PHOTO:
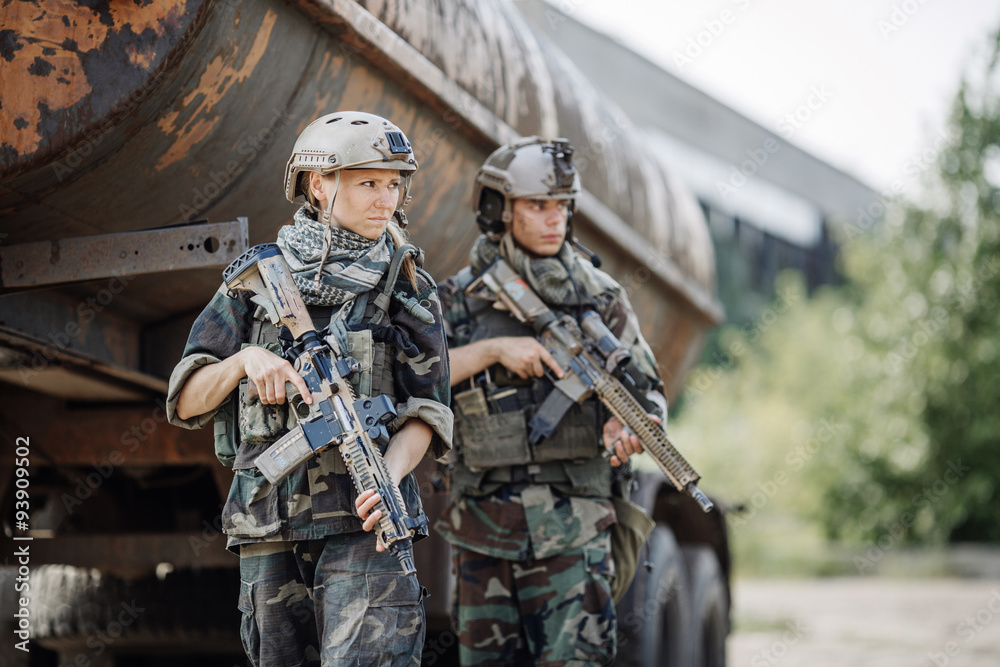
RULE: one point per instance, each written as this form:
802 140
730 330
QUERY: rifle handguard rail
578 344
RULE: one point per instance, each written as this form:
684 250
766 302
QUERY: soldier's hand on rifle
621 440
526 357
269 373
365 502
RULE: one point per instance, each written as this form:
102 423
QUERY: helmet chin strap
327 217
507 245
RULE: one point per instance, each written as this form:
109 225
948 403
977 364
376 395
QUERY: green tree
927 294
877 402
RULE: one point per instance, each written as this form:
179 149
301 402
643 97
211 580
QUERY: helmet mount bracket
531 168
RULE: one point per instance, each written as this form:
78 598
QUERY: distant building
770 205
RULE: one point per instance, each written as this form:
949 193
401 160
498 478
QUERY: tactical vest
491 434
256 425
253 427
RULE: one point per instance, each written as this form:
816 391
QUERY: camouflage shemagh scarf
353 265
547 276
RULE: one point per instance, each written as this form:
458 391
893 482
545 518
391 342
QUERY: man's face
539 225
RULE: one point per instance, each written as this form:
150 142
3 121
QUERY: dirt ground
866 622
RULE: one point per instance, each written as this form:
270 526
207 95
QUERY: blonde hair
399 239
397 234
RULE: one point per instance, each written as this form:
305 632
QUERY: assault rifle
355 426
593 361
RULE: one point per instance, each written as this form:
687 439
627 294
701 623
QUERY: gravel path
868 622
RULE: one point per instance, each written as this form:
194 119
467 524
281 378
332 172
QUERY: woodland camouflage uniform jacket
317 500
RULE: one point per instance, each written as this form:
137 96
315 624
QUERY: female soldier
315 589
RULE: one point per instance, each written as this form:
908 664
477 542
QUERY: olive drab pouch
576 438
627 538
489 441
465 481
227 437
471 401
366 380
261 423
589 477
359 346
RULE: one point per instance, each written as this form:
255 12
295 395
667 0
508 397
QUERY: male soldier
531 524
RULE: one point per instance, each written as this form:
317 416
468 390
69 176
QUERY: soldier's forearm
407 448
473 358
208 387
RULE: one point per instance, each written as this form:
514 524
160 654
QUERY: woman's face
365 199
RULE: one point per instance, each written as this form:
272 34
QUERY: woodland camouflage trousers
550 611
333 601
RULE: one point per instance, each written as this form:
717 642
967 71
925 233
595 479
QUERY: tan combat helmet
532 168
349 140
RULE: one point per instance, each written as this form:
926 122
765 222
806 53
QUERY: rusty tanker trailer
142 147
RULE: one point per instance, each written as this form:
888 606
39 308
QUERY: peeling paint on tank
344 58
40 30
141 56
221 74
326 97
139 19
47 47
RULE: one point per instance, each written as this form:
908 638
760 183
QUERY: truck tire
709 605
81 611
654 615
69 601
10 655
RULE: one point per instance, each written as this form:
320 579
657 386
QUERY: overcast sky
891 69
